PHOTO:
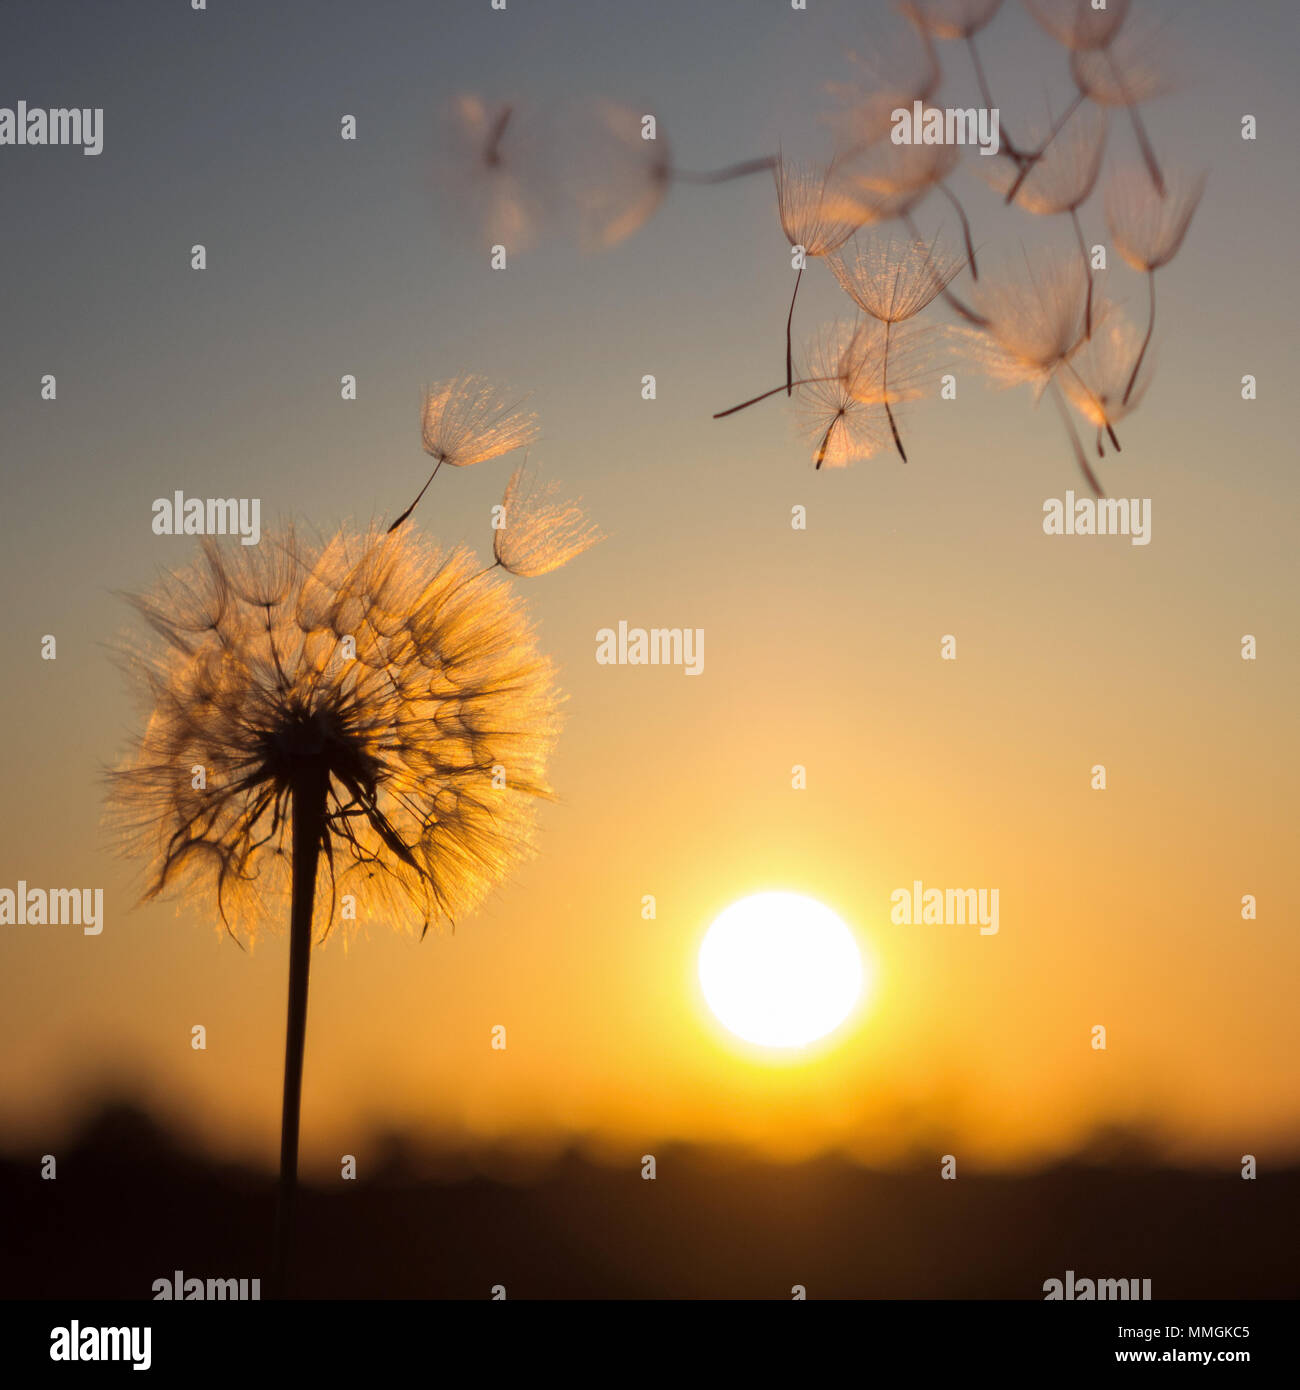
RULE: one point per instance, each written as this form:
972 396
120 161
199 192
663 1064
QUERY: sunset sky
327 257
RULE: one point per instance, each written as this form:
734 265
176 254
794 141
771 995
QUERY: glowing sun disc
780 970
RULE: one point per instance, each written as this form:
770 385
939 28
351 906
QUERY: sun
780 970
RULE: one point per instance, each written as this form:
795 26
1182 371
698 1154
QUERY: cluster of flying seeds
597 169
1042 323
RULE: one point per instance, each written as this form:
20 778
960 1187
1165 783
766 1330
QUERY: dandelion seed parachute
465 421
1124 74
1148 227
1096 378
490 173
810 219
1061 179
539 534
1078 24
893 280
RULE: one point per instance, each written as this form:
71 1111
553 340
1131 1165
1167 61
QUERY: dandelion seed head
247 676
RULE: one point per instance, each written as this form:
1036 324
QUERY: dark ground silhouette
132 1203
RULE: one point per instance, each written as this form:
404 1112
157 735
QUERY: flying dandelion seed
950 19
614 176
839 406
1088 33
465 421
1034 326
1061 179
1148 229
808 222
893 280
894 74
351 705
1096 378
1123 74
963 20
490 172
841 400
539 534
1078 24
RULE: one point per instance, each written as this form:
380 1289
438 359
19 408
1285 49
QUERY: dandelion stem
1080 457
884 391
965 229
416 503
789 353
1031 160
987 94
826 441
1087 270
308 792
1146 342
776 390
492 151
1139 129
732 171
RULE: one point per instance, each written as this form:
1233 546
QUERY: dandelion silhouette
1148 229
809 220
893 281
466 421
351 705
